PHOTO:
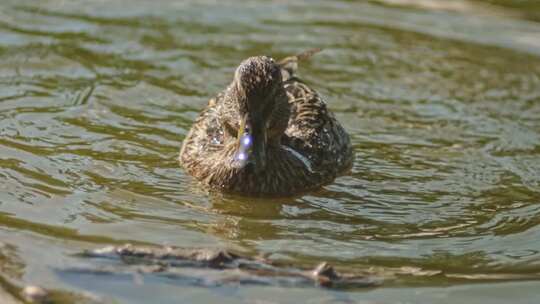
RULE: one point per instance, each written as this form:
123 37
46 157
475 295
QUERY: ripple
96 97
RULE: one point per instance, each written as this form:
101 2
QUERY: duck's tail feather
289 65
308 53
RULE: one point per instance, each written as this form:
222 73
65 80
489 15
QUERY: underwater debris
211 267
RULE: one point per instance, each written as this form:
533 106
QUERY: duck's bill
251 146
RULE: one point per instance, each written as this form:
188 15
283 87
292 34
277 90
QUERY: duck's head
260 96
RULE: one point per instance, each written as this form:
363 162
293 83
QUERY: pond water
441 98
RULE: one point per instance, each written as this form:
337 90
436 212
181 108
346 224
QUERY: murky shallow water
442 103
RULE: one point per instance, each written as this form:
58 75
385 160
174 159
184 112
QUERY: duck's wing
289 65
308 109
313 130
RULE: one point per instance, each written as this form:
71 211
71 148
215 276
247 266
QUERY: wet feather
307 146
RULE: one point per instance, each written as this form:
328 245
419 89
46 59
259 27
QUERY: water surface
442 104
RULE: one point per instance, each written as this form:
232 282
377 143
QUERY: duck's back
315 134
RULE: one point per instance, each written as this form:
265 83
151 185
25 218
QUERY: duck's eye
229 129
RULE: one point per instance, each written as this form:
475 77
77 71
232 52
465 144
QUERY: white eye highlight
246 141
244 149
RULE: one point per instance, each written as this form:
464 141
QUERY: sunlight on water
442 104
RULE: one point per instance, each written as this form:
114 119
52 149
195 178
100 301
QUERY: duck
268 133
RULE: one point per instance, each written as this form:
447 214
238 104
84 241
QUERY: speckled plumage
307 147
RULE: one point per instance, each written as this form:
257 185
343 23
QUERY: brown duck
267 133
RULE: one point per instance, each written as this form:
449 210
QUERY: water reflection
442 106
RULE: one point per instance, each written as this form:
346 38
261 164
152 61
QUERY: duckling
267 134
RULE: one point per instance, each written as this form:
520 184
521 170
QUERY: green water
442 102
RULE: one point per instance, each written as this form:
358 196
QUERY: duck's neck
279 119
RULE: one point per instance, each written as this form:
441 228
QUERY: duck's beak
251 147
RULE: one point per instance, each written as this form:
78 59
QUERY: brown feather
309 148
